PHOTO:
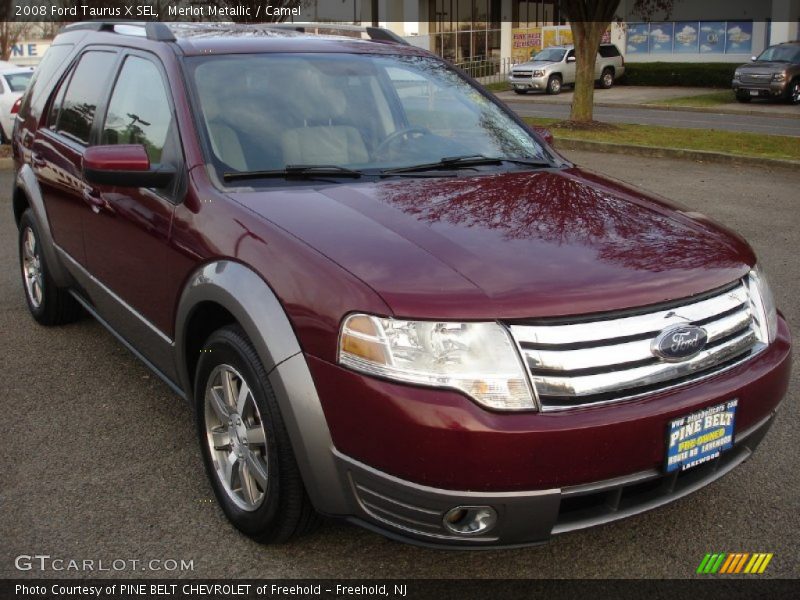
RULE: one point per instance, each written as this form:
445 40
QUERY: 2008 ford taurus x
386 298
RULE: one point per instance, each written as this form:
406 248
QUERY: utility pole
374 11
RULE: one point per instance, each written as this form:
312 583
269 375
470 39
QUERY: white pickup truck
554 67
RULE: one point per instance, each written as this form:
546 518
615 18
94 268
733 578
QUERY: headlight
538 73
737 75
763 306
779 77
478 359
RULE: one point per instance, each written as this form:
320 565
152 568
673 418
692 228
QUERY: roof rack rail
152 30
378 34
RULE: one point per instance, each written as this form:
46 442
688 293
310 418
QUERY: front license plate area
700 437
754 92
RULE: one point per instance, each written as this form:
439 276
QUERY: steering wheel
405 133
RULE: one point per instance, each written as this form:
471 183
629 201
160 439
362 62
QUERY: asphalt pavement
99 459
769 124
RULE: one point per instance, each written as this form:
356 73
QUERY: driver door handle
95 202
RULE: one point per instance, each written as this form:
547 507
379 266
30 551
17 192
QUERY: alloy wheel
608 80
236 437
795 93
32 268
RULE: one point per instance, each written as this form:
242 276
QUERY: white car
13 81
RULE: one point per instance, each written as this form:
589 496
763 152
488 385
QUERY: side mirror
545 133
124 166
570 59
753 58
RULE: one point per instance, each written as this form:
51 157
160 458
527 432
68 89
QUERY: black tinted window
139 111
609 51
86 88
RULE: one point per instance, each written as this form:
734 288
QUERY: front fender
258 311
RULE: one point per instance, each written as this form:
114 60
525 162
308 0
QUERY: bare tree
589 19
11 32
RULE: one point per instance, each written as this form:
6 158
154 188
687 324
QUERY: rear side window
139 110
18 82
609 51
84 93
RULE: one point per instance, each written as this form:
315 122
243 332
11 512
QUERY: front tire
245 445
47 303
554 85
793 94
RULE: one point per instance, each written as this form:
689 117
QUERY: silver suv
554 67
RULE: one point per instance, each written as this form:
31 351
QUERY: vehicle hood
509 245
763 67
534 64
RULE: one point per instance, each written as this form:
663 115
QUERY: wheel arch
27 194
225 291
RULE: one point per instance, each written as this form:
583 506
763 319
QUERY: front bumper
415 513
772 89
406 455
534 83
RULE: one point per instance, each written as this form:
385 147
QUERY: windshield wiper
466 161
295 172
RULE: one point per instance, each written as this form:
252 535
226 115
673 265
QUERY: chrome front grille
756 79
609 358
521 74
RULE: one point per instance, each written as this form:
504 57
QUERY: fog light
470 520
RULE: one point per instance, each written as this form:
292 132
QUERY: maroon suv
386 298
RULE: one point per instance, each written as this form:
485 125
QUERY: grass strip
708 140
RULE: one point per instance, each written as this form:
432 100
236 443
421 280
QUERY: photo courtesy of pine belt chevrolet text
386 298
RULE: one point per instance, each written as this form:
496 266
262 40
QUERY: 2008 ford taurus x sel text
385 297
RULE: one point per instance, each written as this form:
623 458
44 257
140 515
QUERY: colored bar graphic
727 564
718 564
703 563
764 564
733 563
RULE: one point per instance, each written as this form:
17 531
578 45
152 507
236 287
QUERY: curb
653 152
694 109
700 109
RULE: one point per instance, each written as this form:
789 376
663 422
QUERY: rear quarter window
610 51
36 96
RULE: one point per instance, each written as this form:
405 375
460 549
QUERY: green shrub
716 75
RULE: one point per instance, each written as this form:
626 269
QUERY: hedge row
715 75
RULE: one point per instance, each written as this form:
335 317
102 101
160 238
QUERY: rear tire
607 79
246 449
554 85
47 303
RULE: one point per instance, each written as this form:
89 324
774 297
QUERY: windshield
550 55
18 82
789 54
371 113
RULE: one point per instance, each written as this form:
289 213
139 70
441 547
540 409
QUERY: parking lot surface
99 459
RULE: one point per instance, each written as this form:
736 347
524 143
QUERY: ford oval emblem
680 342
